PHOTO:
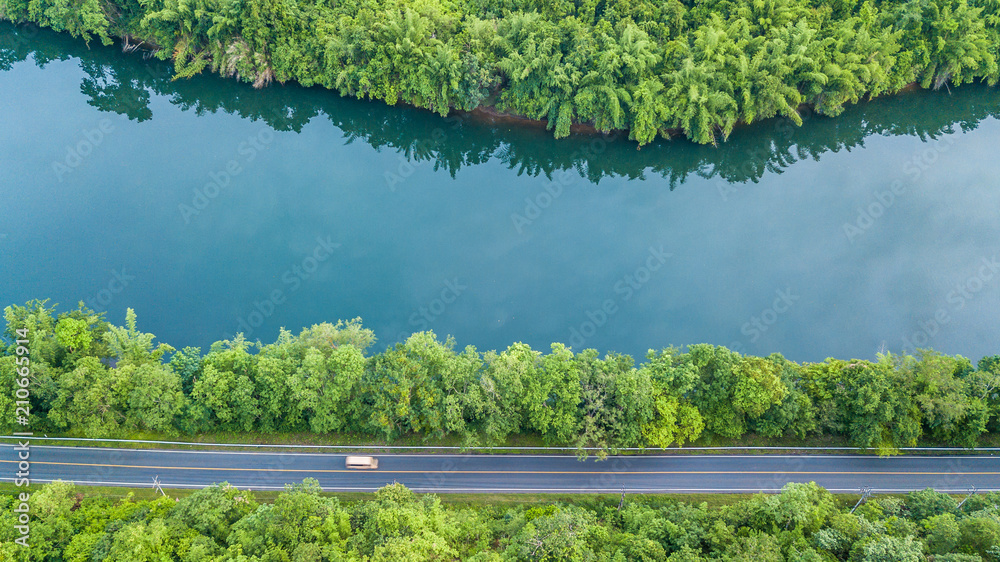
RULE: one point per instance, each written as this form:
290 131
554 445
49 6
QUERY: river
211 208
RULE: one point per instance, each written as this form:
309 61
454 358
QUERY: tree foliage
323 380
801 523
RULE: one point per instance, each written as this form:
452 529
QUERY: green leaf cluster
100 380
220 523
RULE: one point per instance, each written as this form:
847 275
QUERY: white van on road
362 463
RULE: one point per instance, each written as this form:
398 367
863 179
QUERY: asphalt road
507 473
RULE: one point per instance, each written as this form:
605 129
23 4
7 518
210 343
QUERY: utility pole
156 485
622 502
865 493
972 490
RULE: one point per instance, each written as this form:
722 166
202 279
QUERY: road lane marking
318 470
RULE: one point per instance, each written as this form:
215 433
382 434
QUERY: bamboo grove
803 523
98 380
650 67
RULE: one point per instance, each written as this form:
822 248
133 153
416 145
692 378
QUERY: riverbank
635 74
324 382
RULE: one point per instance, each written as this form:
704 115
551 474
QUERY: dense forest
804 523
650 67
88 377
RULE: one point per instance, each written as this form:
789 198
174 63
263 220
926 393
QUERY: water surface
212 208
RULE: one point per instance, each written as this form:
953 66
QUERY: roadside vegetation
221 523
90 378
650 67
454 499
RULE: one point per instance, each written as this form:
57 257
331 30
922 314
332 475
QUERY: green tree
888 549
80 18
51 529
132 346
942 533
324 385
615 402
795 414
754 547
560 535
929 503
805 507
398 524
734 390
212 511
949 412
949 39
552 398
73 334
92 399
298 515
416 387
505 376
143 542
155 397
980 534
675 419
878 407
225 388
39 323
187 364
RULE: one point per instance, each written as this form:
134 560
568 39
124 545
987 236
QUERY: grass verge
459 500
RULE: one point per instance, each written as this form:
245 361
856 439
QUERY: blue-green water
212 208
